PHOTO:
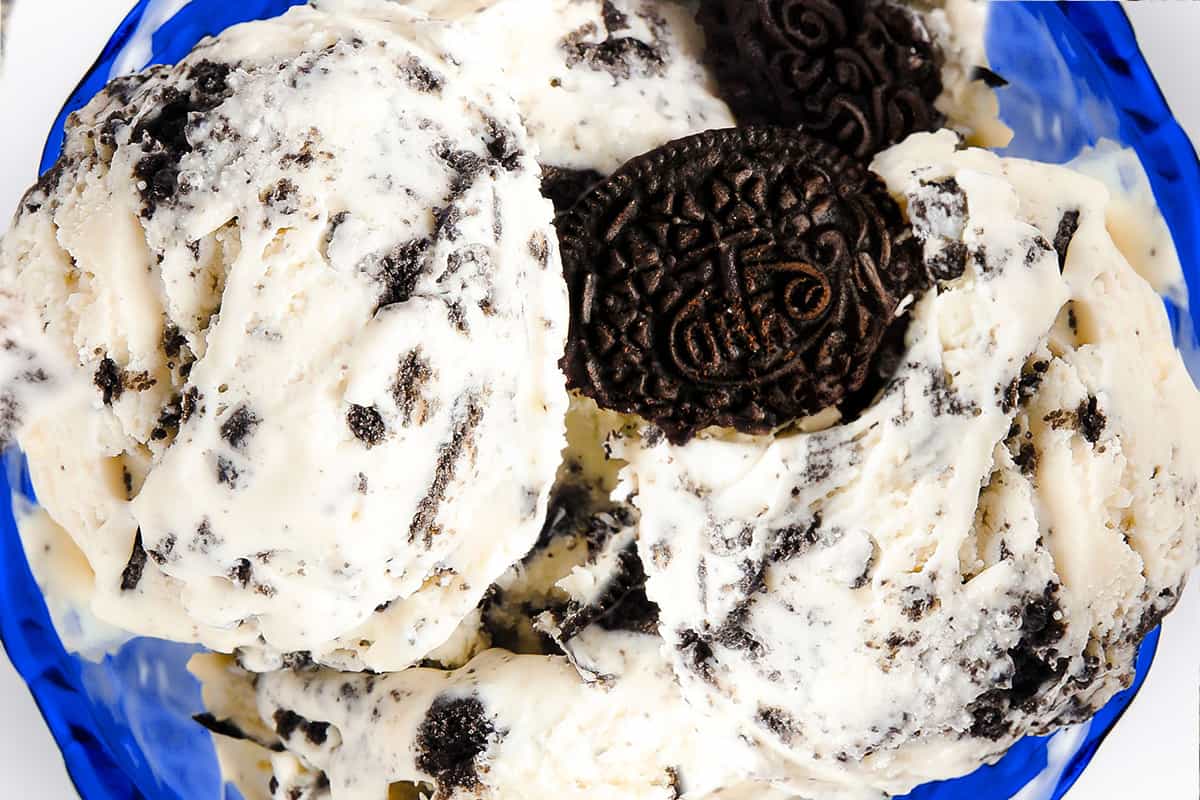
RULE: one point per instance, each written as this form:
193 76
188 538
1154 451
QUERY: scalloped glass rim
103 755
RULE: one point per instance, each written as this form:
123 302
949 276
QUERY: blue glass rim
102 772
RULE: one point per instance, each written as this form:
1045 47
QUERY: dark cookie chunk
622 606
1021 390
231 730
1091 420
503 147
569 510
944 399
408 391
741 278
453 452
564 186
163 133
317 733
991 79
189 404
221 727
778 722
241 572
614 18
169 419
366 424
227 472
454 733
948 263
160 177
287 722
173 339
283 196
131 576
204 539
47 184
108 381
938 210
733 633
1026 458
162 552
862 74
696 653
419 76
238 427
1067 226
399 270
1035 662
299 660
622 57
796 540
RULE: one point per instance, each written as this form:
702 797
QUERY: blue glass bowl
124 725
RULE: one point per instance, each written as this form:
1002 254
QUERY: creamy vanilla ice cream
300 345
884 602
284 347
978 555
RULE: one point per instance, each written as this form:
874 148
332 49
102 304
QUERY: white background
1155 751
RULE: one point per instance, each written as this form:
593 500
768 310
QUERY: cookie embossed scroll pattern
862 74
741 278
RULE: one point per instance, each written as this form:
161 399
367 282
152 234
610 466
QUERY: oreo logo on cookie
741 278
862 74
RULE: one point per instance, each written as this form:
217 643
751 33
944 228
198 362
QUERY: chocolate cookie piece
456 731
862 74
740 277
564 186
622 605
163 133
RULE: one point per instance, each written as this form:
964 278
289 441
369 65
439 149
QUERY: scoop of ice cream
309 304
597 81
479 732
976 557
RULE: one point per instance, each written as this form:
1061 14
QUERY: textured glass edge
51 674
1146 122
1164 148
1171 163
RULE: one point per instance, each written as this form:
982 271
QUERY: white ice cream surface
66 581
1134 220
597 81
481 732
899 598
316 330
848 612
971 107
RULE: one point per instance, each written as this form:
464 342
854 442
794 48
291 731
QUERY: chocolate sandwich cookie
862 74
741 278
564 186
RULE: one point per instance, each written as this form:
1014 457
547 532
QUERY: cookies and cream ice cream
977 555
664 386
300 339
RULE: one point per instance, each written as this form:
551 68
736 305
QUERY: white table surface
1155 751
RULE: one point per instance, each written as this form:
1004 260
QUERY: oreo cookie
564 186
741 278
862 74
